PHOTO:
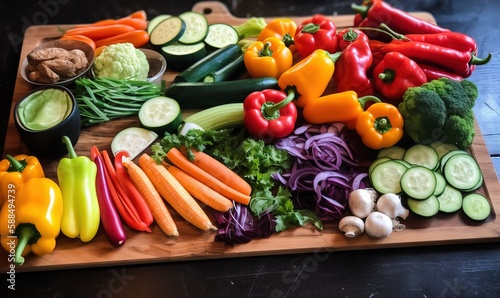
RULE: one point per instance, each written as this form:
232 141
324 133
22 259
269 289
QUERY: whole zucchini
208 64
202 95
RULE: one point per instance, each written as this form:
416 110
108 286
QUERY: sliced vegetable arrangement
295 125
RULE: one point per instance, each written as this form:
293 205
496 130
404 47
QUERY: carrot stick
199 190
123 204
139 14
174 193
79 37
177 158
136 37
219 171
137 23
100 32
131 190
160 212
98 50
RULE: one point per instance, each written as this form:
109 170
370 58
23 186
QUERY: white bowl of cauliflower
124 61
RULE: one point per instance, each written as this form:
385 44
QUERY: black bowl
47 143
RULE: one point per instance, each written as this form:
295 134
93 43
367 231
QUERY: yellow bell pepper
342 107
268 58
282 28
309 77
380 126
17 170
30 218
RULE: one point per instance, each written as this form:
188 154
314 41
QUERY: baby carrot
177 158
219 171
199 190
160 212
136 37
173 192
79 37
100 32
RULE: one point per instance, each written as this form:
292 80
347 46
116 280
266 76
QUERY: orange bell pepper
268 58
282 28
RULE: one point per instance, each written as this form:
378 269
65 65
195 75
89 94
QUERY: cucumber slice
385 177
462 172
180 56
476 206
376 162
450 200
134 140
427 208
422 155
160 114
394 152
196 27
447 156
442 148
155 21
167 32
418 182
440 183
220 35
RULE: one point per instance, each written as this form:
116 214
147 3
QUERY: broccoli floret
458 96
440 110
459 130
121 61
424 114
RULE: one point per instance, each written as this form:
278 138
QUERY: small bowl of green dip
44 116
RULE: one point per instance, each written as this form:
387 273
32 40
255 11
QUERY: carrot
123 204
79 37
137 19
174 193
100 32
160 212
199 190
136 37
219 171
177 158
133 194
139 14
99 50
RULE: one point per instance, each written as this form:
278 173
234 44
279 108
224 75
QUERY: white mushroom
390 205
362 202
378 225
351 226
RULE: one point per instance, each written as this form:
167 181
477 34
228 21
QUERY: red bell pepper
352 67
349 35
372 13
396 73
317 32
269 114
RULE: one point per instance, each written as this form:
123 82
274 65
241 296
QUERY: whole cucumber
202 95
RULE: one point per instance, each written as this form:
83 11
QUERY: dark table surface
468 270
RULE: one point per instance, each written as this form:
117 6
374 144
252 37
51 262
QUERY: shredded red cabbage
240 225
325 169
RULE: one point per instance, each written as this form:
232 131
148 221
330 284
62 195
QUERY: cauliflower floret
121 61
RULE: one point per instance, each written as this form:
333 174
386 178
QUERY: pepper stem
271 110
387 76
474 60
361 9
335 56
368 98
395 34
382 124
15 165
71 149
25 235
288 39
310 28
266 50
350 35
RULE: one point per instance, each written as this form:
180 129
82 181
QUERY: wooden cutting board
193 244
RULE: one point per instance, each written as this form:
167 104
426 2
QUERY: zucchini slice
220 35
167 31
181 56
196 27
160 114
155 21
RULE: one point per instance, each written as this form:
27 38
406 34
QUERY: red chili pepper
434 73
396 73
269 114
110 219
372 13
317 32
459 62
352 67
349 35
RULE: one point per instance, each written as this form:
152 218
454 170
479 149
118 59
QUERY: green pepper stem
474 60
71 149
361 9
266 50
368 98
272 110
382 125
395 34
25 234
15 165
310 28
387 76
288 39
334 56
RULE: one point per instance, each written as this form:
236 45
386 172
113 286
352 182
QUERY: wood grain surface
193 244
